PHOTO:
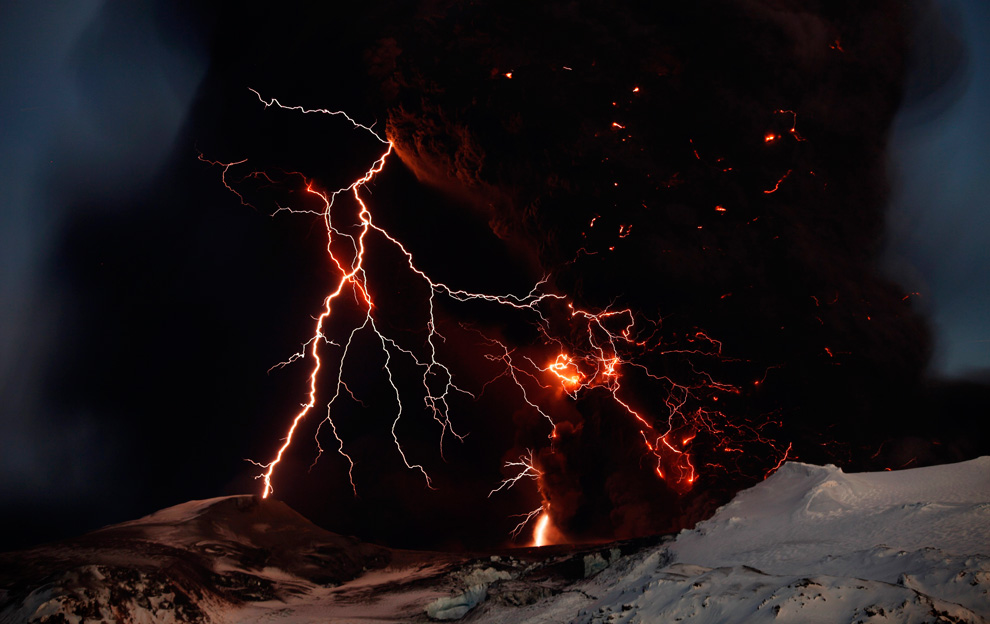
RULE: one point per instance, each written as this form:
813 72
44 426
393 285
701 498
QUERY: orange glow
565 369
780 463
694 150
540 531
610 367
777 186
793 130
770 137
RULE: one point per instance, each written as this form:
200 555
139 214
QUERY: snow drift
813 543
809 544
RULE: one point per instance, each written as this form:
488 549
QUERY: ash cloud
172 292
652 122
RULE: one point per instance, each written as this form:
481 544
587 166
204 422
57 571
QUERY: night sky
144 304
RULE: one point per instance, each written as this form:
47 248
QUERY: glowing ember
793 129
779 182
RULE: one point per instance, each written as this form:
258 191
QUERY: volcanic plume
714 171
717 165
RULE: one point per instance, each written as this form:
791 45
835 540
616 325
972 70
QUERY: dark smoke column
719 165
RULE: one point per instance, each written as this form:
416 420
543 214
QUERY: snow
814 544
83 596
596 562
809 544
476 582
741 595
803 514
455 607
484 576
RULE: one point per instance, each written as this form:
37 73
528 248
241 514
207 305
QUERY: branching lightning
600 350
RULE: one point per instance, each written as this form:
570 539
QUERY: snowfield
814 544
809 544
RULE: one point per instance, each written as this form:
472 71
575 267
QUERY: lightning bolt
349 260
599 349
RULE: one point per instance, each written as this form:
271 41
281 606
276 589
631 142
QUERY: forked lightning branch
610 343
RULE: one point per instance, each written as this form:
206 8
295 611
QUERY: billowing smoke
720 165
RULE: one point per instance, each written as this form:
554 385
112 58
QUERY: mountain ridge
810 543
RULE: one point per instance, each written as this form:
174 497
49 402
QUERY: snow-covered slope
194 562
803 514
814 544
809 544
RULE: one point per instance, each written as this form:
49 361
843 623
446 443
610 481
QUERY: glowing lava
540 531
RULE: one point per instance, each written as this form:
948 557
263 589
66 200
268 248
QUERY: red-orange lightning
347 252
600 349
